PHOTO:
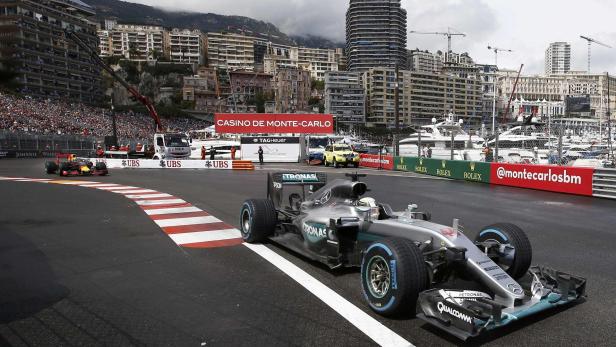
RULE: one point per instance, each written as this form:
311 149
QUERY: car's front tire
517 252
51 167
393 273
258 220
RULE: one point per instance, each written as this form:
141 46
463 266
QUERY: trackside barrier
372 161
453 169
175 164
561 179
604 183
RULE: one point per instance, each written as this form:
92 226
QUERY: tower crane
590 42
449 35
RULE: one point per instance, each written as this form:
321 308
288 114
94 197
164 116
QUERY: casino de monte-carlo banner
270 123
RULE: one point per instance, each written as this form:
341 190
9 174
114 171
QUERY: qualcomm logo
444 308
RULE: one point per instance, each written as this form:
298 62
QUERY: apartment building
280 57
206 90
558 58
435 95
318 61
379 84
185 46
292 90
345 98
230 51
424 61
137 42
51 66
375 34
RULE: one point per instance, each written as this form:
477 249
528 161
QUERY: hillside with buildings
127 12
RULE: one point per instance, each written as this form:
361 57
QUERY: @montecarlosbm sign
266 123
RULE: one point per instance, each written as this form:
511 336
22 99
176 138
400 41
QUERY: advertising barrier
562 179
266 123
454 169
372 161
275 149
165 164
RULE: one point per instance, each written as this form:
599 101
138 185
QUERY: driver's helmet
368 202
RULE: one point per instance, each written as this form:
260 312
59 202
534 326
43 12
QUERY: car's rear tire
100 166
356 165
51 167
258 220
336 164
516 264
393 273
325 162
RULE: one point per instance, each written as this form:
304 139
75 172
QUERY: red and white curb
187 225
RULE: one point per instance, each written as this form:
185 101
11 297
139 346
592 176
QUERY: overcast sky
524 26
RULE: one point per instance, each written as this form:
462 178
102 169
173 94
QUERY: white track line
186 221
134 191
148 196
205 236
118 188
159 202
100 185
172 210
360 319
72 183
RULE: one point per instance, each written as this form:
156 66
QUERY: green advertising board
453 169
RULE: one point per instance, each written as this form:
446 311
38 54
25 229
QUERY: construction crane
590 42
449 35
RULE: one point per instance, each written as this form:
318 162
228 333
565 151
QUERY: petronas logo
472 164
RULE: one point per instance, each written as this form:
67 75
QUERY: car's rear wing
278 180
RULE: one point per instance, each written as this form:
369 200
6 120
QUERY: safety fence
561 179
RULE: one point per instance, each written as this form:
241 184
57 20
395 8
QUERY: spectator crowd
27 115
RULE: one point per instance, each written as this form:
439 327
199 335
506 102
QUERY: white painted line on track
374 329
205 236
135 191
100 185
172 210
148 196
159 202
186 221
118 188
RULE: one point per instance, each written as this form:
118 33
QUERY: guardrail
604 183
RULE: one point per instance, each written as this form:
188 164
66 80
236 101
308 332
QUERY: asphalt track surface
82 266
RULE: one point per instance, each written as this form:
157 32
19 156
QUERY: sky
524 26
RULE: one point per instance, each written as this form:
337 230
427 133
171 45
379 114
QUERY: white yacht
438 136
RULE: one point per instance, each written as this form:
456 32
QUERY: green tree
317 85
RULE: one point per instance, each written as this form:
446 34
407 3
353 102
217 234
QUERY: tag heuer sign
300 177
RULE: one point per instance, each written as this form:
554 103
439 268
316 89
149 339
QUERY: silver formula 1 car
407 261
